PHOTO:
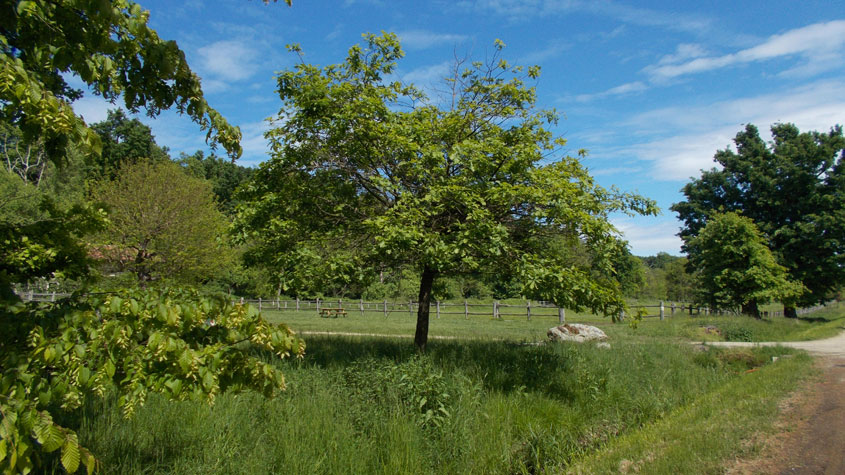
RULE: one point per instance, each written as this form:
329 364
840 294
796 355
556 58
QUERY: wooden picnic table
333 312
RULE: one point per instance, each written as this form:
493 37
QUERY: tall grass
371 405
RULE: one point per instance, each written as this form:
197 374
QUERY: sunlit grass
361 405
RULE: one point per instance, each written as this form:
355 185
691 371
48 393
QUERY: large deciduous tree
367 172
162 223
736 270
793 189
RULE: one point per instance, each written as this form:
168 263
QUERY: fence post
259 304
561 316
318 304
528 309
662 311
53 296
361 306
384 307
466 310
438 309
495 309
673 308
242 300
297 303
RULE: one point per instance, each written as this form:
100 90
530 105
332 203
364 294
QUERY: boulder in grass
576 332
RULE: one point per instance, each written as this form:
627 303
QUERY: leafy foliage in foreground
173 342
111 48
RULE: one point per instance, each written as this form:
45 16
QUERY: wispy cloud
254 145
683 52
819 44
526 9
228 60
428 75
648 236
553 50
423 39
94 108
698 132
614 171
621 90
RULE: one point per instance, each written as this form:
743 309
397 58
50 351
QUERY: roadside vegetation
373 405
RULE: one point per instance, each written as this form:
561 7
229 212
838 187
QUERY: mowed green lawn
513 326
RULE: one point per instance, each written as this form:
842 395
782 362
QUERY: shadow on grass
500 366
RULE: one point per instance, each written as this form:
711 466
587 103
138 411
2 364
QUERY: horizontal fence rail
438 308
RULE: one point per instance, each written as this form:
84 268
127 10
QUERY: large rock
576 332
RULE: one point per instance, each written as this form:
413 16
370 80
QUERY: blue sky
651 89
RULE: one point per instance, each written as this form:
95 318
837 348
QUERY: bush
737 333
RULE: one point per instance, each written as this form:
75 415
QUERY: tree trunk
750 308
426 283
789 311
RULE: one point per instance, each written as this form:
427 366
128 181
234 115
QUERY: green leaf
110 369
55 438
70 454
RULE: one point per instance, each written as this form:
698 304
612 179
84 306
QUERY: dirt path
834 347
811 428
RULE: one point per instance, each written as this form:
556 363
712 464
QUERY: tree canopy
224 175
163 223
124 141
736 270
112 49
367 172
793 189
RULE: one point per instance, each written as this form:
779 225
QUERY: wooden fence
437 308
496 309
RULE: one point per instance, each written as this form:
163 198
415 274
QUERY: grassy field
680 327
481 401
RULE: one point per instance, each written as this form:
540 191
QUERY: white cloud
228 60
428 75
698 132
423 39
819 44
551 51
683 52
624 89
254 145
648 236
93 108
526 9
614 171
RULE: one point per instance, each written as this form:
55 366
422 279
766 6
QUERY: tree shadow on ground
499 366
